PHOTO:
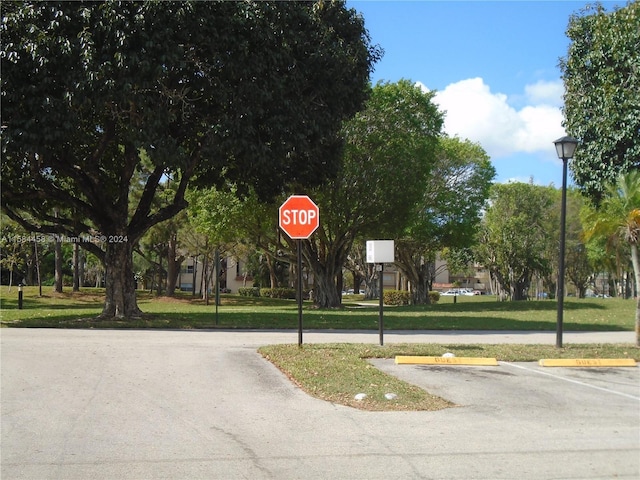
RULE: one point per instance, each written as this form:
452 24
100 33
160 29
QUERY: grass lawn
76 310
337 372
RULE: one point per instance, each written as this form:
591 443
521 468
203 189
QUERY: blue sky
494 65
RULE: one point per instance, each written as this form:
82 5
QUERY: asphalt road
88 404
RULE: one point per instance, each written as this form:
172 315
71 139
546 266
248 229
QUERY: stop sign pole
299 217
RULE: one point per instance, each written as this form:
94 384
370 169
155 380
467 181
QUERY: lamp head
565 147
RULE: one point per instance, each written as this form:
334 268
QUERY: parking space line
577 382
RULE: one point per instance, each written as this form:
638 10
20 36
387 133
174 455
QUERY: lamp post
565 147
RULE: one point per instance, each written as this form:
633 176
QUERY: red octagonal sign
299 217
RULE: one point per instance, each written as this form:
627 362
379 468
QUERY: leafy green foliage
513 238
618 220
280 292
101 99
448 211
389 151
249 291
602 107
396 297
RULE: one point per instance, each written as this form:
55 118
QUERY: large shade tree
390 147
448 212
514 237
601 74
251 92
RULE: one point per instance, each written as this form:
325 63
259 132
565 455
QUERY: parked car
458 291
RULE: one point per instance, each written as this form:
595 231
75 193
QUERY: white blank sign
380 251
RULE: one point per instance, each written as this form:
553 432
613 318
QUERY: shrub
249 291
396 297
285 293
434 297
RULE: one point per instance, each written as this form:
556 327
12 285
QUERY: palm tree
618 217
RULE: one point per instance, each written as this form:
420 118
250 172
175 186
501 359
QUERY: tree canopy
513 240
448 212
390 149
99 97
601 74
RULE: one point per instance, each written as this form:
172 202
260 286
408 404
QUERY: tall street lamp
565 147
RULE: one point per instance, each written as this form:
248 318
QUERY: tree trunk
326 265
418 267
357 281
519 290
582 291
194 276
273 277
420 285
120 301
160 276
173 265
204 283
37 257
76 267
372 286
326 294
57 248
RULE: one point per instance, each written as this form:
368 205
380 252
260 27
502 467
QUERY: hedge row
249 291
286 293
391 297
396 297
401 297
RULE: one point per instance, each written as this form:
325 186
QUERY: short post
380 252
20 296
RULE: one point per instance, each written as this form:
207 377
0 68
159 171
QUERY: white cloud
522 179
476 113
545 93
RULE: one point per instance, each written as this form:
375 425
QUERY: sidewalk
269 337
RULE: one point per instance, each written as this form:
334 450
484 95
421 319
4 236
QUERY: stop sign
299 217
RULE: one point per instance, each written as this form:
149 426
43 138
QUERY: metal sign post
299 242
299 217
380 252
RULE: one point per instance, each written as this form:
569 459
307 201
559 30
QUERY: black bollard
20 296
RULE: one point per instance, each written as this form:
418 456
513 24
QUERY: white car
458 291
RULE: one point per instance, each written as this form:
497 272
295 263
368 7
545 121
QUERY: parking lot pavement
587 410
80 404
512 382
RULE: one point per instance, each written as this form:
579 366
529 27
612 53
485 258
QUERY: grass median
338 372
